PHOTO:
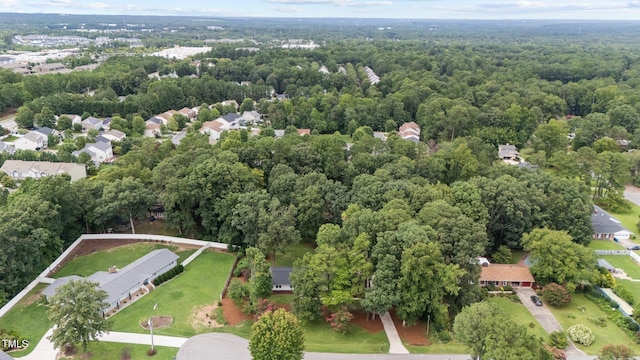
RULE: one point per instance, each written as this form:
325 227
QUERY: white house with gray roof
605 227
20 170
280 279
32 141
121 284
100 151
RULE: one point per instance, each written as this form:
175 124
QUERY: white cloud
7 3
287 9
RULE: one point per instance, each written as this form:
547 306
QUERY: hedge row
168 275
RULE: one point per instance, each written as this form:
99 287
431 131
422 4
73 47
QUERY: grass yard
200 284
632 286
605 245
630 219
320 337
119 256
520 315
438 347
516 256
10 138
293 253
110 351
624 262
611 334
29 319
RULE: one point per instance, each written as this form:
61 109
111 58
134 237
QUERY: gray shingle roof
603 223
116 284
51 289
280 275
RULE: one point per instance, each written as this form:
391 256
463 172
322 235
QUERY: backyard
199 285
633 287
28 319
630 219
624 262
605 245
294 252
119 256
579 311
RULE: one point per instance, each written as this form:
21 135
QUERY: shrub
557 354
556 295
559 339
339 320
624 293
444 336
581 334
242 267
615 352
599 321
238 292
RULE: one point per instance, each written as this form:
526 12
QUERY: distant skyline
414 9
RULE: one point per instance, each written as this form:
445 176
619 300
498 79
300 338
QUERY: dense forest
388 209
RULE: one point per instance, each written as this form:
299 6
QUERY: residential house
280 279
106 123
410 131
230 103
177 138
20 170
252 117
120 285
114 135
303 132
166 116
373 78
506 274
31 141
190 113
46 131
100 152
152 127
4 147
235 121
91 123
215 128
75 119
605 227
380 135
509 154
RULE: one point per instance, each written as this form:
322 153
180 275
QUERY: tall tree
279 228
76 311
277 336
128 198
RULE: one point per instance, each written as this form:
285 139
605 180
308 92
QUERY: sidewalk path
395 344
130 338
628 309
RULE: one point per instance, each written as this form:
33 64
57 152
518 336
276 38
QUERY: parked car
536 300
634 247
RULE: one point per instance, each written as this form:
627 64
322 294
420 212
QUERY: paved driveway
545 318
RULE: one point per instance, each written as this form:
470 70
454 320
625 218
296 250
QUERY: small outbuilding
280 278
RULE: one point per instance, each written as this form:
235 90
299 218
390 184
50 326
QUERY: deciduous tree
277 335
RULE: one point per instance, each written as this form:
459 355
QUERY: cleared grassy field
574 314
119 256
624 262
200 284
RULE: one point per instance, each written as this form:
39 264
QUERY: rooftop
603 222
506 272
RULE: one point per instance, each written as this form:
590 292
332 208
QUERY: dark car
634 247
536 300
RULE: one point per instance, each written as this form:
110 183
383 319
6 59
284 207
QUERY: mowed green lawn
293 253
630 219
199 284
632 286
519 313
624 262
110 351
119 256
605 245
28 318
611 334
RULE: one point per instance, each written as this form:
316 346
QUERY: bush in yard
238 292
615 352
599 321
339 320
605 279
558 354
559 339
242 268
556 295
581 334
624 293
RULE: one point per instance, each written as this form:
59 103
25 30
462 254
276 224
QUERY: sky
414 9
